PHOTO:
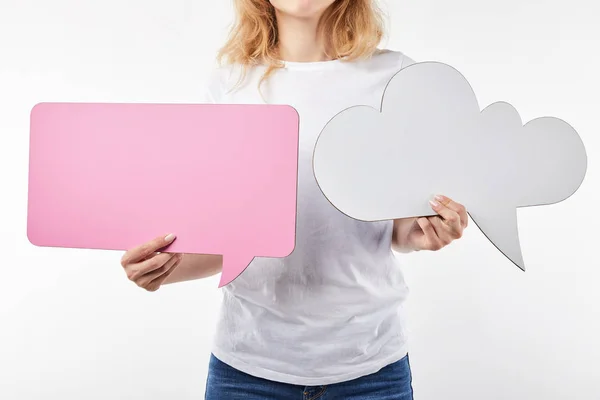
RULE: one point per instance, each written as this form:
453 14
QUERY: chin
302 8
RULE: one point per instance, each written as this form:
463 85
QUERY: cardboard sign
431 137
223 178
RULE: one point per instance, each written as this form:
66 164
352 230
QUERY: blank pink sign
222 178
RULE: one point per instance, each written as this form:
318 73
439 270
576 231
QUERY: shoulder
224 79
387 58
215 83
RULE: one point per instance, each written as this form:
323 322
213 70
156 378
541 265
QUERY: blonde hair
352 30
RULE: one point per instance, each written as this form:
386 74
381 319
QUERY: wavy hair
352 29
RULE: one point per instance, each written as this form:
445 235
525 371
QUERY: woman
327 321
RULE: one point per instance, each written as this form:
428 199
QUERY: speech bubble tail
499 225
233 266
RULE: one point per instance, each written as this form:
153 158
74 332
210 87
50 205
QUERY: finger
144 251
137 270
450 217
431 239
153 254
454 206
157 282
444 232
145 280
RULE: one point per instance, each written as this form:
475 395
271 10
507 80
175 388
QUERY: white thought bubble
431 137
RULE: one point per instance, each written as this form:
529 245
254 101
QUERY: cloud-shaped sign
431 137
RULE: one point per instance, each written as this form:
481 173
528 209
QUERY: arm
195 266
400 234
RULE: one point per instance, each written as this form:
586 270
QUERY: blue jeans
393 382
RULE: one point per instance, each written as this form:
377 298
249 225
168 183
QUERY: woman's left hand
438 231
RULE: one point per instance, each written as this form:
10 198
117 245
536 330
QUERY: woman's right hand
147 267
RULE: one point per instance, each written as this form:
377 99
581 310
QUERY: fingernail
434 203
169 237
439 197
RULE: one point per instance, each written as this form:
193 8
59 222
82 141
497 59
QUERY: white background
72 326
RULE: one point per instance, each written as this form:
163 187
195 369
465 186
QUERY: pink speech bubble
223 178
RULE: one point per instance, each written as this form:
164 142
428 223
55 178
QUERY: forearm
195 266
402 228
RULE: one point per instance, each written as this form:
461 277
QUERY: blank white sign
431 137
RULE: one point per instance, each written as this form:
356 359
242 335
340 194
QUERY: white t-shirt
332 311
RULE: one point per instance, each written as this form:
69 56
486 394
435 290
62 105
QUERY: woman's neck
299 40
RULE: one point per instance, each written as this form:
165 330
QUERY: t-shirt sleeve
212 87
406 61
